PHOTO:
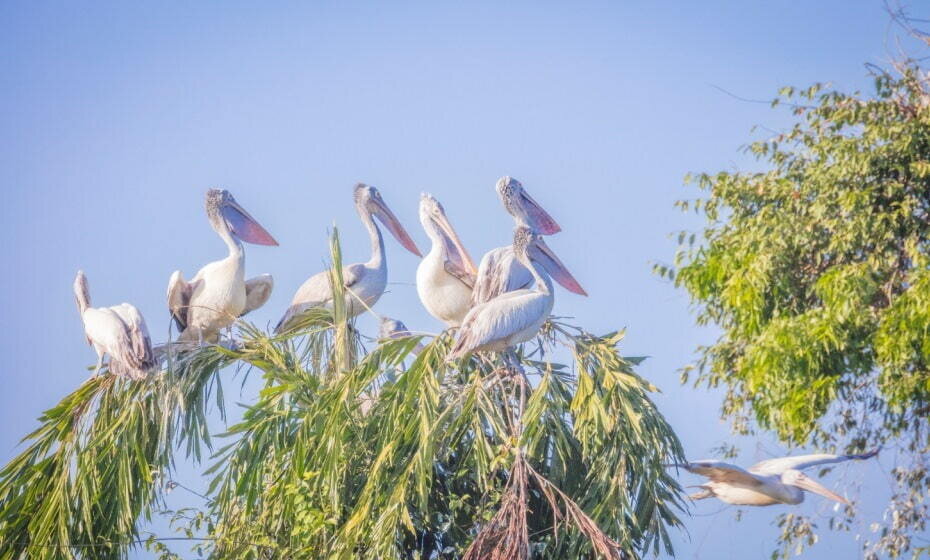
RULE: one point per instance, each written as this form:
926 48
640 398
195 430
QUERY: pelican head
226 214
523 208
369 202
800 480
530 246
437 226
81 291
392 328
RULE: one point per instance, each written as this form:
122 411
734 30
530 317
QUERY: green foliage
815 269
90 472
393 453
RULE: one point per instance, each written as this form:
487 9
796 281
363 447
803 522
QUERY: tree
348 454
817 272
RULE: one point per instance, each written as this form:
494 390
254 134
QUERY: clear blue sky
116 119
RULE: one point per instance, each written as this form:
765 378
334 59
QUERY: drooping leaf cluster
393 453
815 269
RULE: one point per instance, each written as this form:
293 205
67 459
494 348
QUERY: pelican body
446 275
515 317
219 293
117 331
775 481
364 282
499 270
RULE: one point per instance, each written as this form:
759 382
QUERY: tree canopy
815 269
348 453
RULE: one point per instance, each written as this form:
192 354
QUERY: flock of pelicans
501 303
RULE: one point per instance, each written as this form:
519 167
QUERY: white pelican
515 317
775 481
219 293
499 271
119 331
362 280
446 276
395 328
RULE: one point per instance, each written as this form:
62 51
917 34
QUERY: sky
116 118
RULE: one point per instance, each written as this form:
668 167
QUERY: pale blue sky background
114 120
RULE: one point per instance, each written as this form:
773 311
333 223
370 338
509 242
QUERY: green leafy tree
816 270
392 453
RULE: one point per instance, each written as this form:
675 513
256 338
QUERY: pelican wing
316 292
455 269
719 471
140 358
801 462
105 328
457 263
499 272
498 320
701 494
179 298
257 292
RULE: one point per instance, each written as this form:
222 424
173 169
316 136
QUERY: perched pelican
219 293
499 271
515 317
119 331
775 481
394 328
363 280
446 276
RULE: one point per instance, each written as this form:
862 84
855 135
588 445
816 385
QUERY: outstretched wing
719 471
801 462
701 494
257 292
179 299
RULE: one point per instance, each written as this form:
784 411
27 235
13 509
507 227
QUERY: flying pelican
119 331
219 293
446 276
515 317
775 481
365 281
499 271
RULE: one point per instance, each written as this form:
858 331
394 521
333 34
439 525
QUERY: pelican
363 281
775 481
515 317
219 293
118 331
499 271
446 276
390 329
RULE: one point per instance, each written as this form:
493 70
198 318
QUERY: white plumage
446 274
364 282
119 332
514 317
775 481
499 270
219 293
